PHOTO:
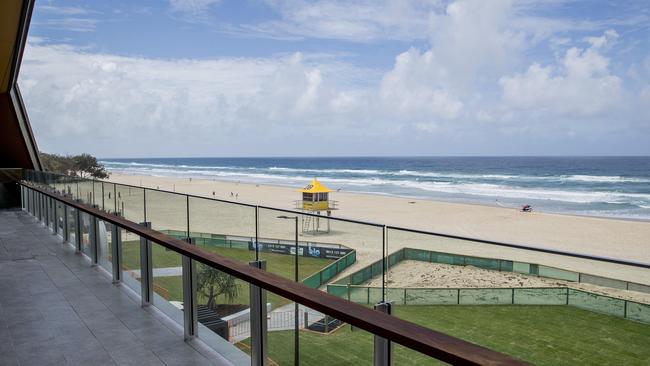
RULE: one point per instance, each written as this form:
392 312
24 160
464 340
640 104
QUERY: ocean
594 186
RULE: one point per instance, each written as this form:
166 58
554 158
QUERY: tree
56 163
211 283
84 165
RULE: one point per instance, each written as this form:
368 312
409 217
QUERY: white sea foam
509 188
604 179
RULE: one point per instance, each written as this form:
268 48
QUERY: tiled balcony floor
55 309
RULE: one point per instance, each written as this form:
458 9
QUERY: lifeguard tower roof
315 187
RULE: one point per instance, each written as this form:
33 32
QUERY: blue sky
303 78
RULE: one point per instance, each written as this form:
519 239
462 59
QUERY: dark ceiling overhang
18 147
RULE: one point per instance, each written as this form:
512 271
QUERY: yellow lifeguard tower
315 199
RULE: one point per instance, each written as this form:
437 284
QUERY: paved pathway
160 272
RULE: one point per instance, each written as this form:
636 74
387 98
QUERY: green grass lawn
279 264
544 335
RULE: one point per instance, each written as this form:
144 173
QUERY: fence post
116 253
383 355
38 207
258 322
567 296
190 323
56 217
78 230
94 240
66 227
146 269
46 203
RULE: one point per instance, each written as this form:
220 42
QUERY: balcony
301 303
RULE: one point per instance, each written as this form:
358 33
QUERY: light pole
296 319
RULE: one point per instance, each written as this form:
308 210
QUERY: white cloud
192 10
474 79
191 6
62 10
416 86
580 85
360 21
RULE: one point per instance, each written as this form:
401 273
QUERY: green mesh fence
397 295
540 296
521 267
417 255
351 258
338 290
328 273
559 274
323 276
480 296
375 270
505 266
358 294
485 263
361 276
603 281
638 312
638 287
598 303
448 258
312 281
431 296
395 258
496 296
374 295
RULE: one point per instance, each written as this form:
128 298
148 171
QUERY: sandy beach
416 274
622 239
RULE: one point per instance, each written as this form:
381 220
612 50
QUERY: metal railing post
78 229
35 205
48 208
66 224
116 253
94 240
146 269
383 355
55 217
190 323
38 207
258 322
45 213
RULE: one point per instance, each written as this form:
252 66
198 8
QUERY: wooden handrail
427 341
